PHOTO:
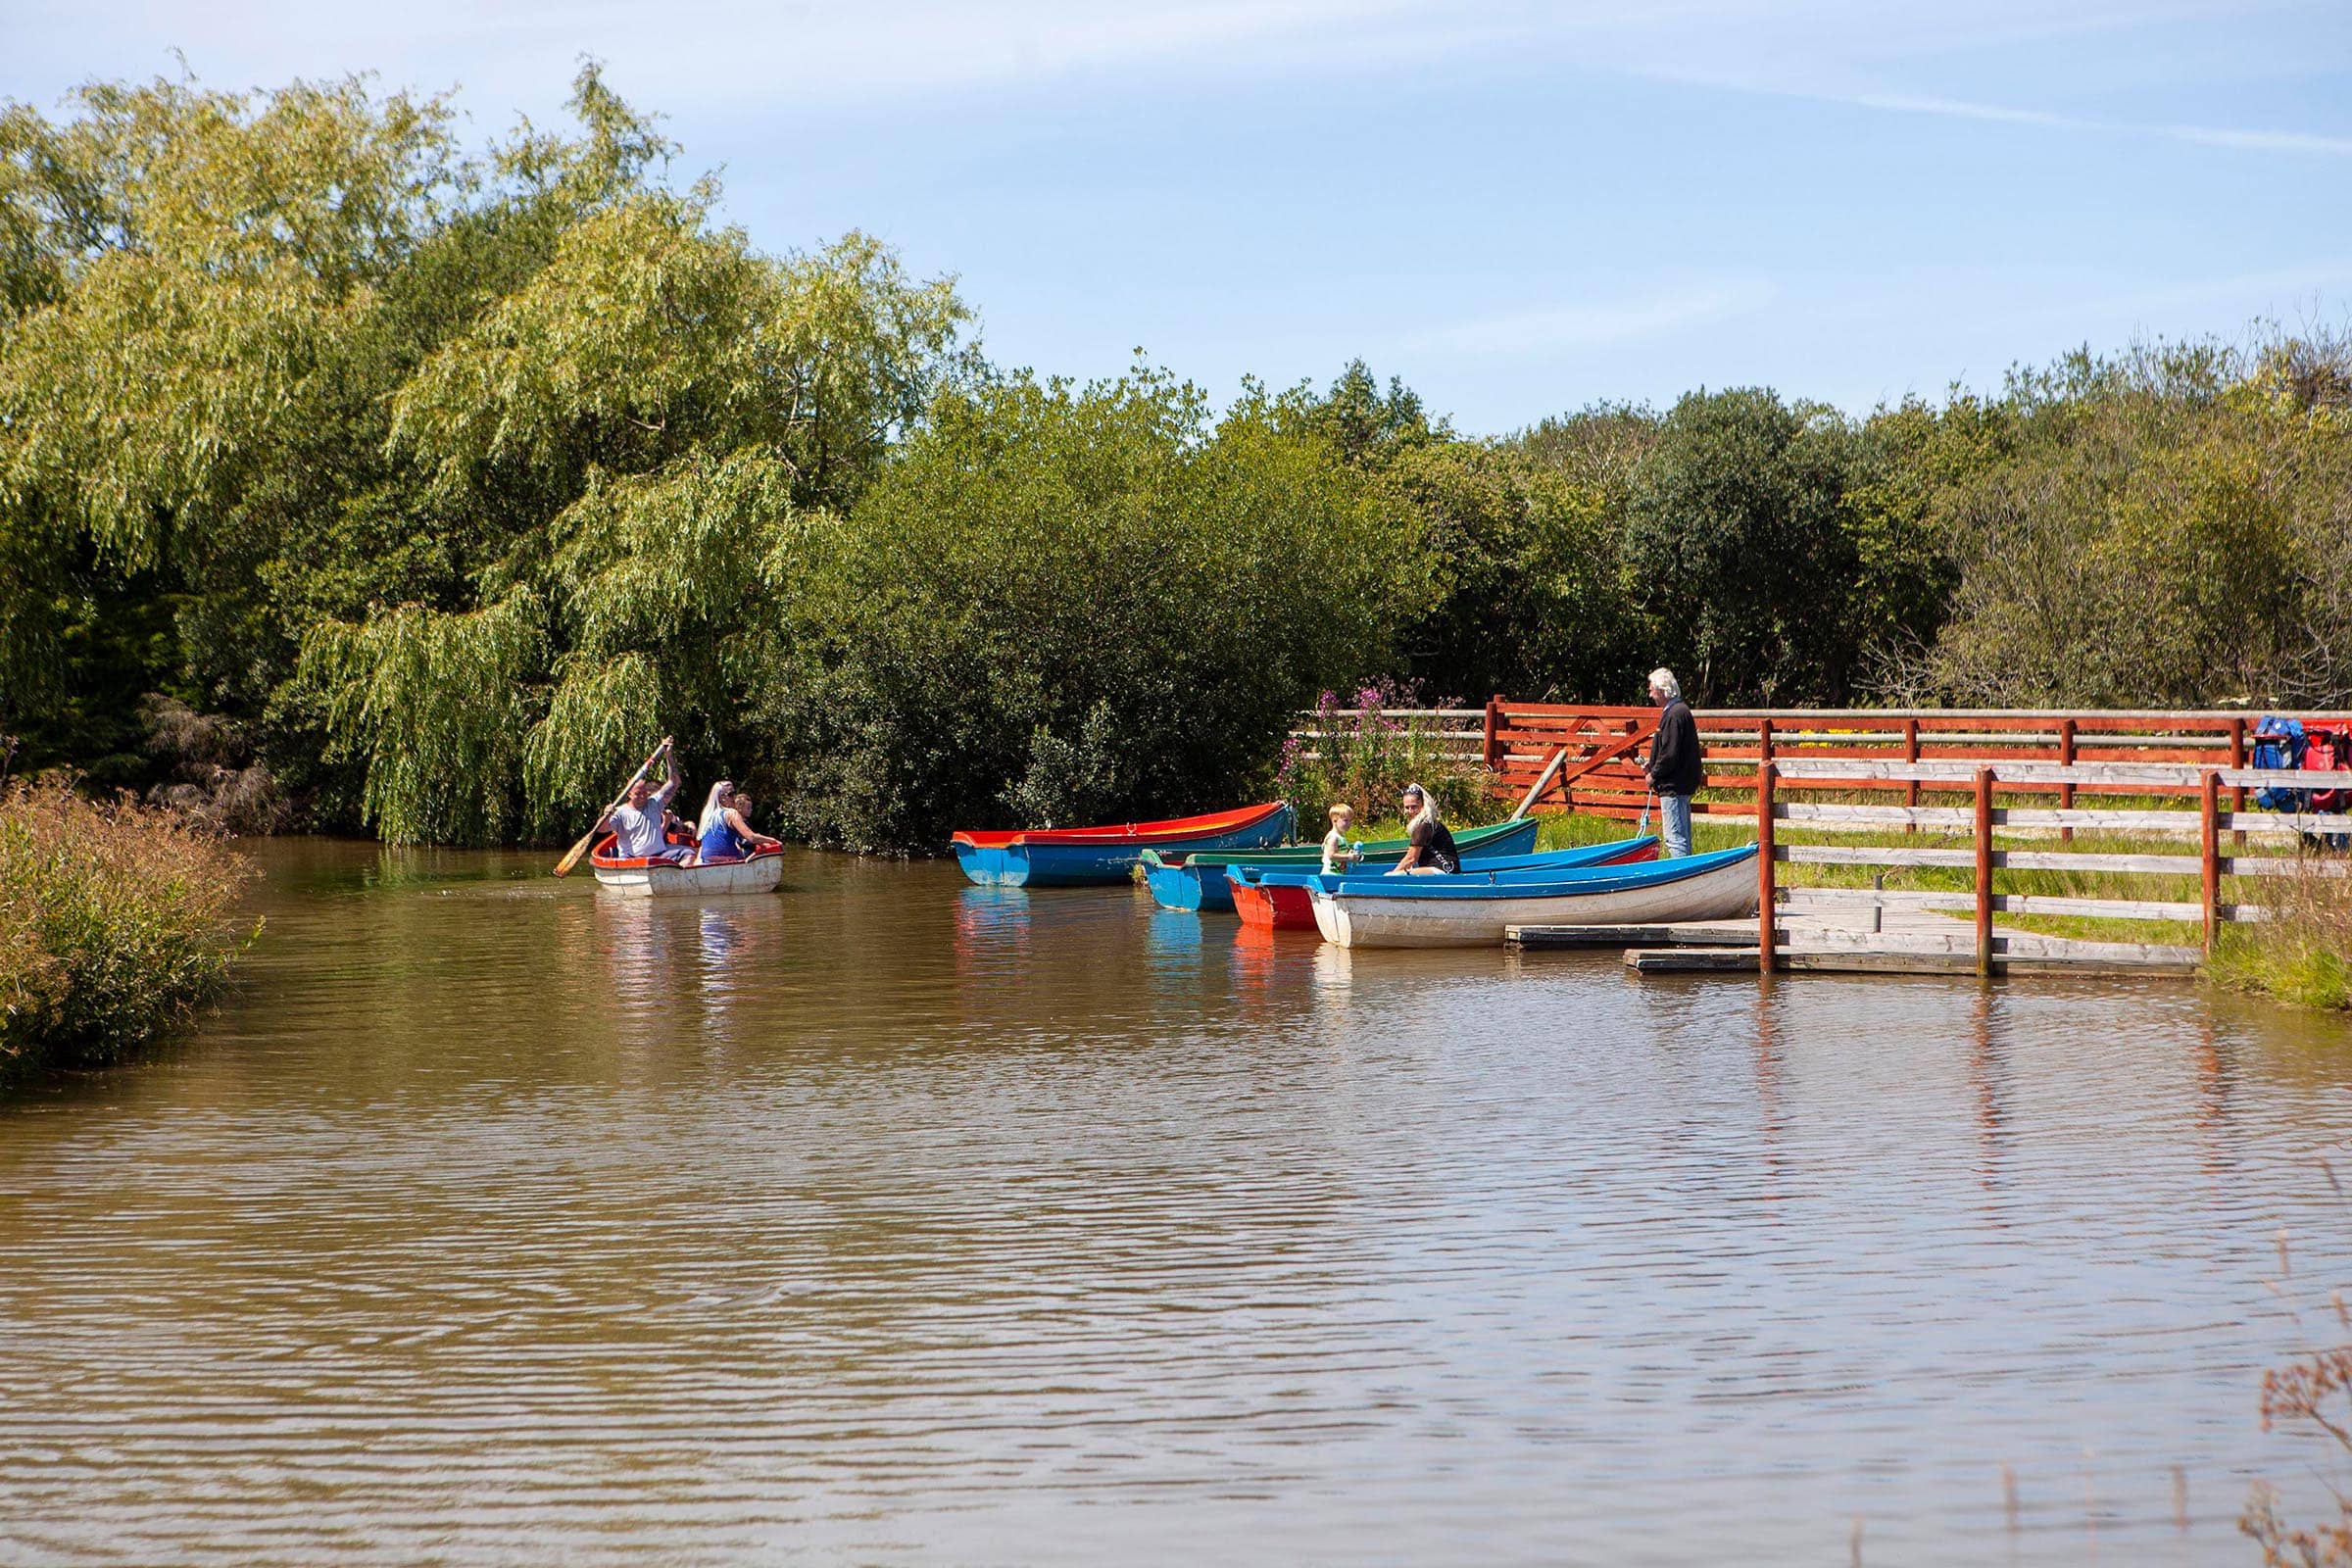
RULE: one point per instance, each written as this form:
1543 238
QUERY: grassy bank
115 922
2303 952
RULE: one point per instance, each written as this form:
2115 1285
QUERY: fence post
2211 845
1763 745
1767 881
2065 759
1984 870
2237 758
1911 758
1493 749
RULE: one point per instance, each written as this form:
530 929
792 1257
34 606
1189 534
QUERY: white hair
1662 681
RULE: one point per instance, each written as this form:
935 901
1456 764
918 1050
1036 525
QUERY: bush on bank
115 922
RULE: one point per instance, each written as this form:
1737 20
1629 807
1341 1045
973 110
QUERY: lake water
891 1220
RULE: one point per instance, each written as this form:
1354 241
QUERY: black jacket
1675 756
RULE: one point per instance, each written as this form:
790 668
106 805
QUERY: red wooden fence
1602 772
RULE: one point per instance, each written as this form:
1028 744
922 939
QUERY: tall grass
2303 952
116 922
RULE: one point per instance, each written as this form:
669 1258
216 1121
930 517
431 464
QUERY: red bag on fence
2328 750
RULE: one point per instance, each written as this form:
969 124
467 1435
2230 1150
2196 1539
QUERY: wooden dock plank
1719 934
1859 960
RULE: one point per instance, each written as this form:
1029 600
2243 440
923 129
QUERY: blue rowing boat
1197 880
1080 856
1280 898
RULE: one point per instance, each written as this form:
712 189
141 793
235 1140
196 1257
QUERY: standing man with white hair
1674 769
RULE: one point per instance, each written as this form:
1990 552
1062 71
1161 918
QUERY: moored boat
1279 899
757 872
1470 910
1077 857
1197 879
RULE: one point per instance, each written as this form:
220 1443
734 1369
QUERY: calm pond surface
891 1220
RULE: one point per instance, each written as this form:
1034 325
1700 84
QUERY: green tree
2165 528
1074 604
644 425
1737 551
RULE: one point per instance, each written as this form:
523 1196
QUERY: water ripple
892 1220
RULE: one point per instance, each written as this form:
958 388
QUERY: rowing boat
1472 910
1076 857
757 872
1197 880
1278 900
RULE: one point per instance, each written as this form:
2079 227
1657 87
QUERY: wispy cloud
822 54
2283 141
1554 328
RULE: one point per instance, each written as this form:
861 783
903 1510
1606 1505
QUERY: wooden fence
1598 752
2207 821
1460 732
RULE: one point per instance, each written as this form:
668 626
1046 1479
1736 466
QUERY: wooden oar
1550 768
564 865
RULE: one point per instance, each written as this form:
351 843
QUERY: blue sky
1517 208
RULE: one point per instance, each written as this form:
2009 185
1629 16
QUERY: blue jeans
1673 822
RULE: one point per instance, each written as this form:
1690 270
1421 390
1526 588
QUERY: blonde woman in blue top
725 835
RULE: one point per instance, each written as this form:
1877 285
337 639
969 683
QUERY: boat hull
1097 857
1457 912
761 873
1284 900
1186 885
1198 880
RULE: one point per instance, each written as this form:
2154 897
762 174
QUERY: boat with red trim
1080 856
757 872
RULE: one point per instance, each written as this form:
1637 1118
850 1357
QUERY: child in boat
726 834
1339 853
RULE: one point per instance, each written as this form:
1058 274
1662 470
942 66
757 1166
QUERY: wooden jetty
1848 937
1971 775
1874 930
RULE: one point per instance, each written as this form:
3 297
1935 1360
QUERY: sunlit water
891 1220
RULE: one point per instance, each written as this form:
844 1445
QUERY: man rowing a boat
637 823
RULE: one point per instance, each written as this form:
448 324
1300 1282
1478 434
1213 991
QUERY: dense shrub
1063 605
115 923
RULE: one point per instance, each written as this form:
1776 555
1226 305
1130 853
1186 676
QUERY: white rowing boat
1468 910
758 872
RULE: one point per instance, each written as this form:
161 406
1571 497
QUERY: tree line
442 478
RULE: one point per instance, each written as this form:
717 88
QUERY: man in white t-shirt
636 824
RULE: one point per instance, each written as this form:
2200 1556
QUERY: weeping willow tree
459 475
434 704
662 408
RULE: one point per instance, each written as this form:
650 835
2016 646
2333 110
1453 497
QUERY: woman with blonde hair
725 835
1429 849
